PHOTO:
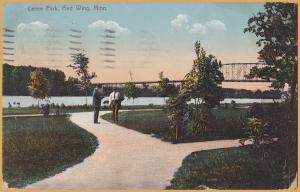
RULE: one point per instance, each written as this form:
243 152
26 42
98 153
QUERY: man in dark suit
98 94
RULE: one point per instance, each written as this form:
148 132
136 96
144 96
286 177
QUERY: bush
204 122
226 105
46 109
283 122
233 104
258 130
177 111
256 110
230 127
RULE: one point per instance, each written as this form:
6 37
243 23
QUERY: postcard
150 95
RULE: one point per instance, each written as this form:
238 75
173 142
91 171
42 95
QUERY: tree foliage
80 66
39 85
202 83
204 80
17 78
276 29
177 116
165 88
204 122
131 91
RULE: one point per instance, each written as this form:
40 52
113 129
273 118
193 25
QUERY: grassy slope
156 122
35 148
236 168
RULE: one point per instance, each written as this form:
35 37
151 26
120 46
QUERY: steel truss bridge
233 72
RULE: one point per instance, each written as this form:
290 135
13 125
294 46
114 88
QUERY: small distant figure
46 109
98 95
115 100
9 105
233 103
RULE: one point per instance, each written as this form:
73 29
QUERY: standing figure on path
115 104
98 94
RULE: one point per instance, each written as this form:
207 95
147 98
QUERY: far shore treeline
17 78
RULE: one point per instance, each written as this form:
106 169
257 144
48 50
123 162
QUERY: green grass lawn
30 110
35 148
237 168
156 122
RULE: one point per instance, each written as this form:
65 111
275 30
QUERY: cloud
112 25
184 21
37 27
198 28
203 28
181 20
215 24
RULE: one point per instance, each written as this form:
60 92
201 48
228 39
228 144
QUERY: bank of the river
27 101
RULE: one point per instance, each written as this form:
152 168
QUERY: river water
27 101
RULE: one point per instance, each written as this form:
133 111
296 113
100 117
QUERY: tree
202 83
7 79
80 66
258 94
276 29
73 86
131 91
204 80
57 82
20 77
17 78
39 85
165 88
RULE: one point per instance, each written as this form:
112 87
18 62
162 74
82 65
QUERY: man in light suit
115 99
98 95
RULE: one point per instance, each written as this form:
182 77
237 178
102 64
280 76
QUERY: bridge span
233 72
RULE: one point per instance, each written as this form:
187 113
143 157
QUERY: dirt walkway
125 159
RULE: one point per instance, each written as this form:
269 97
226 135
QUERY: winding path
125 159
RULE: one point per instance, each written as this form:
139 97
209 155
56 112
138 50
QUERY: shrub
46 109
177 116
258 130
226 105
256 110
233 104
283 122
204 122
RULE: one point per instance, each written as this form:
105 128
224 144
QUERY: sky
140 39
